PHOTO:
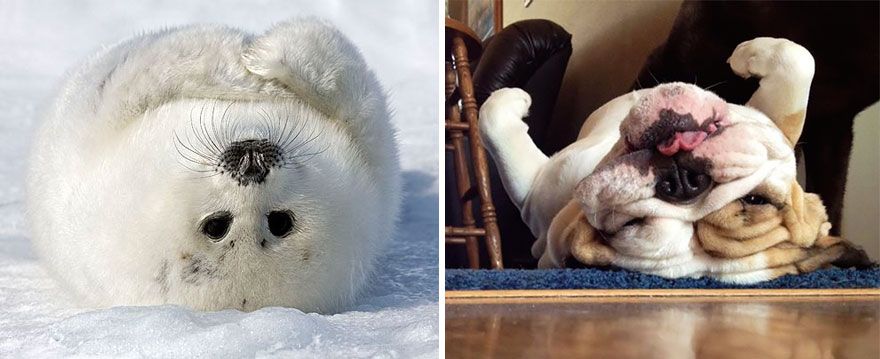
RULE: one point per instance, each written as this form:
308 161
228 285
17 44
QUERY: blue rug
589 278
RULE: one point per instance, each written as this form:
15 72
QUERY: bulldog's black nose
249 161
681 178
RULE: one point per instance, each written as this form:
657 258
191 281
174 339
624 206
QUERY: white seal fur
168 136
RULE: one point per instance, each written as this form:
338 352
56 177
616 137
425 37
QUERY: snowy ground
39 40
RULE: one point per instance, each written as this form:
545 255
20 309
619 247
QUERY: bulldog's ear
804 216
853 256
836 251
571 236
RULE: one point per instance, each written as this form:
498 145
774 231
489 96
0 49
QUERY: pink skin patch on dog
682 99
685 141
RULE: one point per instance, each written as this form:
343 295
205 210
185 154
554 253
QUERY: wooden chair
462 42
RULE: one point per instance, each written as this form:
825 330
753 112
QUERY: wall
861 204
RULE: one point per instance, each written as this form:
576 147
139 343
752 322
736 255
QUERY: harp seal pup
211 168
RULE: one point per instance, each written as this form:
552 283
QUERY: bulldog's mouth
690 136
674 132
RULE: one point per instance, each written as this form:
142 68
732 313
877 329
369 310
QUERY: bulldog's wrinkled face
762 219
684 153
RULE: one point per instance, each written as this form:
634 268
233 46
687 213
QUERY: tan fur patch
587 248
828 241
792 125
804 216
737 230
719 245
793 239
821 258
776 272
779 256
571 235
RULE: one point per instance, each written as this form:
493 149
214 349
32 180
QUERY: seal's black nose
250 161
682 179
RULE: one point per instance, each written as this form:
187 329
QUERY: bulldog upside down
673 180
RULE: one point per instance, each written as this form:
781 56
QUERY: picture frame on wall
482 16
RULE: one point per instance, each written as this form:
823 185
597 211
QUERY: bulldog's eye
755 200
634 221
217 225
280 223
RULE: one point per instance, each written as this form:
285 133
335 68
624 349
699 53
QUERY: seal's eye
755 200
217 225
280 222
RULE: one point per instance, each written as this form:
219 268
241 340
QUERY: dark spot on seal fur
243 303
263 243
162 278
198 269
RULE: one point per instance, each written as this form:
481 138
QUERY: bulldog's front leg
786 71
506 138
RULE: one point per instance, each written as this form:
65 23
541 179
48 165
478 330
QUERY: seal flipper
314 61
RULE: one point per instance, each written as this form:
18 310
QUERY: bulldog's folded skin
673 180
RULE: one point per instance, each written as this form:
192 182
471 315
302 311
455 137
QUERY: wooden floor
699 324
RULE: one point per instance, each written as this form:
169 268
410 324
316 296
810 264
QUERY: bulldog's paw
766 56
504 110
511 99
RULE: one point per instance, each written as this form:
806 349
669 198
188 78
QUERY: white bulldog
673 180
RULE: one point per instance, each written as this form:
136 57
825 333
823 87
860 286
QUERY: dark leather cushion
529 54
512 56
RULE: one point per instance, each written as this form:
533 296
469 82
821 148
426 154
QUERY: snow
398 316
